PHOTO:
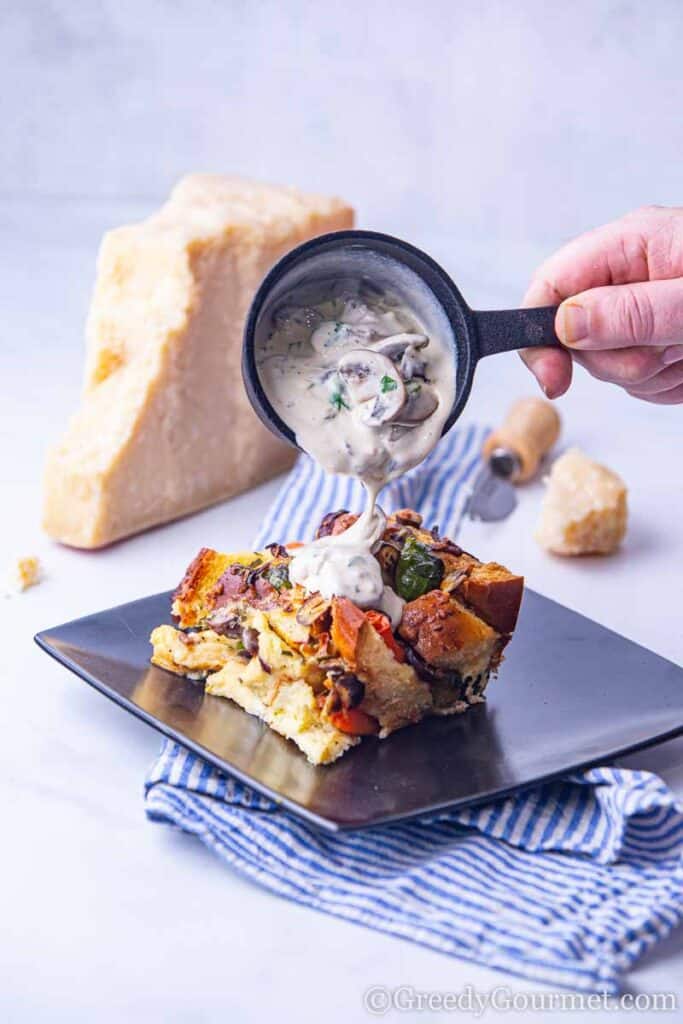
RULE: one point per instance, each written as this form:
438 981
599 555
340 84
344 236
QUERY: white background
488 133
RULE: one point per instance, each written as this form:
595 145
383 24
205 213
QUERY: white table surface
105 915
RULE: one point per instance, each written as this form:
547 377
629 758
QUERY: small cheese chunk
584 508
24 573
165 427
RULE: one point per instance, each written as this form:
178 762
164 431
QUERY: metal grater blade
492 499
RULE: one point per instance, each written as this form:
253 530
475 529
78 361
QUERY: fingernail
573 323
672 354
533 361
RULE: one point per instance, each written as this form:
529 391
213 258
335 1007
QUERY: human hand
621 314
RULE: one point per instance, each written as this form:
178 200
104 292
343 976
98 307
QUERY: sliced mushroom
432 673
373 384
446 546
332 666
250 640
405 350
349 690
388 556
413 365
335 522
362 372
399 430
313 608
420 403
226 623
277 550
395 345
377 411
452 581
406 517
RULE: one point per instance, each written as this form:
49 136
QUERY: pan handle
504 330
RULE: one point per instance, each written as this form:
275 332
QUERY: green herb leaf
278 577
337 400
387 383
418 570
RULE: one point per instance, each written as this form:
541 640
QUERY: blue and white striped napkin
569 883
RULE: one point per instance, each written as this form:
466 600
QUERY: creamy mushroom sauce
366 391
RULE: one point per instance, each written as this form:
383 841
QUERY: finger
641 246
627 367
669 378
551 367
649 313
543 292
674 396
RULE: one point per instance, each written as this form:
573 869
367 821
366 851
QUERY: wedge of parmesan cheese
584 508
165 427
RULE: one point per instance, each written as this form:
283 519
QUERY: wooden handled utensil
512 455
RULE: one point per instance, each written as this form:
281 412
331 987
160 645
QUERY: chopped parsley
387 383
337 400
413 386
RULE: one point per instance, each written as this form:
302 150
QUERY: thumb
621 316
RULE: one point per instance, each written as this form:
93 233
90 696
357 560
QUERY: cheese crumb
24 573
584 508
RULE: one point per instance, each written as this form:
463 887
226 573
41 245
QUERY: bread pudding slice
325 673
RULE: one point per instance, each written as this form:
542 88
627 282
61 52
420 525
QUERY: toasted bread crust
194 574
494 593
443 632
192 599
260 636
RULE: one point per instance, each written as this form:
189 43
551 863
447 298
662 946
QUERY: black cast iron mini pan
389 262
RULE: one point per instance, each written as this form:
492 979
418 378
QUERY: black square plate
571 693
